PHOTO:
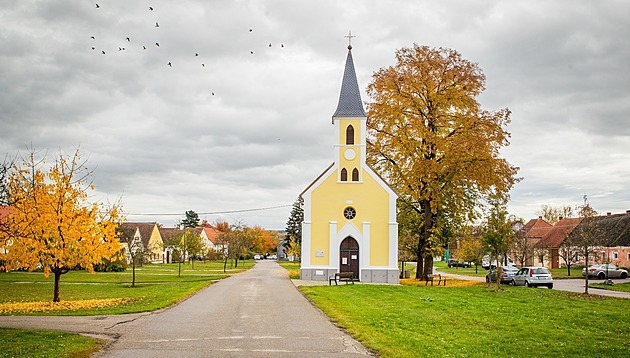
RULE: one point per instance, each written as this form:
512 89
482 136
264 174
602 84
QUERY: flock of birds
128 40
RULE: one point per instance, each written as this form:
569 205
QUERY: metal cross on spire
349 36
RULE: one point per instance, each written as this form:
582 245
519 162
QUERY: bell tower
350 125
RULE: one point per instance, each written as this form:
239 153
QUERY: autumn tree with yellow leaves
430 138
51 225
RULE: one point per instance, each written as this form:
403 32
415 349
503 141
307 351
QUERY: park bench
441 279
341 276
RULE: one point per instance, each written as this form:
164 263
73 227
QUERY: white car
533 276
605 271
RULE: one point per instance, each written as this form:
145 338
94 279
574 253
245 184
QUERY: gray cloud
158 136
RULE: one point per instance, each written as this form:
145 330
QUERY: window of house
355 174
344 174
350 135
615 256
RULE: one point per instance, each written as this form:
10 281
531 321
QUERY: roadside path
255 313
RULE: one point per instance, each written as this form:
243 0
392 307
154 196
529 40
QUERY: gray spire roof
350 104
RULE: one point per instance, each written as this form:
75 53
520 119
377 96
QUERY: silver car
533 276
507 274
605 271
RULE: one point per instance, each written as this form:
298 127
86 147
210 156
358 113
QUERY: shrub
111 266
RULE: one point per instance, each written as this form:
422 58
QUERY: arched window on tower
344 174
350 135
355 174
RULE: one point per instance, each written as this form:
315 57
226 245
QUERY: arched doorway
349 256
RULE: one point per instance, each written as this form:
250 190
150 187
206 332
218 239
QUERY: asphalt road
255 313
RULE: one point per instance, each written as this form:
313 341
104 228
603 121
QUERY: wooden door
349 256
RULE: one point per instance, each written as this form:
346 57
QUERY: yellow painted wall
371 202
155 244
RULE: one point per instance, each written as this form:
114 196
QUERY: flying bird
252 52
269 45
92 37
170 64
157 44
93 48
250 30
97 6
156 24
128 40
213 93
151 8
121 49
203 65
281 45
103 52
196 54
144 47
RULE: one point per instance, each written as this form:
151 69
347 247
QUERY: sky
239 123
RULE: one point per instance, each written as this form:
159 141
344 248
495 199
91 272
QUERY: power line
213 212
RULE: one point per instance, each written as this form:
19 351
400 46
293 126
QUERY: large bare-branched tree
586 235
430 138
553 214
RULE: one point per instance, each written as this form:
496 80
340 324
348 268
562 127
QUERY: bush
111 266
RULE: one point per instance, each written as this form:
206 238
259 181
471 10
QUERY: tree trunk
56 289
499 273
428 266
133 272
419 264
586 276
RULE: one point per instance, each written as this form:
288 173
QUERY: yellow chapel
349 210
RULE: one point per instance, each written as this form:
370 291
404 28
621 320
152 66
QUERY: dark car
455 263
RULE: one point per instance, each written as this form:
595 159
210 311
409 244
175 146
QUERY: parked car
258 257
533 276
605 271
455 263
507 274
485 262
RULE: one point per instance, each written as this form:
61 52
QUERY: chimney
560 218
540 217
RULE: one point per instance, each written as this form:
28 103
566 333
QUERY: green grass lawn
157 286
405 321
44 344
622 287
292 267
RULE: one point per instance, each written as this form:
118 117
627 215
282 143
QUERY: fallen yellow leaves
450 282
29 307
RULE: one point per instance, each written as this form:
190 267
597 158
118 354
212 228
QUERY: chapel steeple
350 104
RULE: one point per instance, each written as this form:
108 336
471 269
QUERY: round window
349 213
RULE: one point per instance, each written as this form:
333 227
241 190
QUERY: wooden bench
341 276
441 279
